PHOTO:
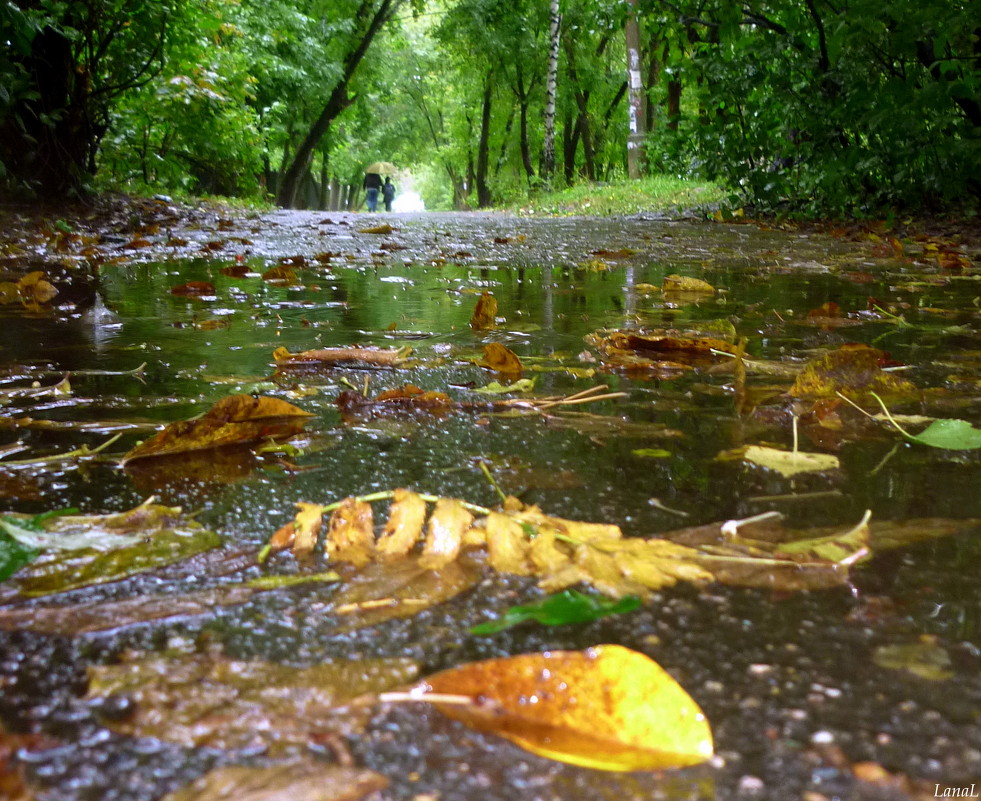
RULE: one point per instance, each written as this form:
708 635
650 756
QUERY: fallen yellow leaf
502 359
607 707
786 463
406 517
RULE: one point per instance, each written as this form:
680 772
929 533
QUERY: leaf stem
493 482
78 453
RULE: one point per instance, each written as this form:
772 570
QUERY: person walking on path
372 183
388 193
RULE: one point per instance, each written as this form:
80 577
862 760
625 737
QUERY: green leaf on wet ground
14 555
569 606
949 434
925 659
74 551
17 535
496 388
651 453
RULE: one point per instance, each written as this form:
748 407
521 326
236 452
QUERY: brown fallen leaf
407 398
234 420
296 781
485 313
34 288
853 370
341 356
501 359
620 253
396 589
280 274
607 708
677 347
194 289
74 619
210 701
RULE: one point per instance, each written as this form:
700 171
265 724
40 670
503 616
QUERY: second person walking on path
388 193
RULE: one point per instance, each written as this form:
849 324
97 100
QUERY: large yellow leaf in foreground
606 707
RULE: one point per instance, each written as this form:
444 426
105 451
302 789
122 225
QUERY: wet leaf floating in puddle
352 356
405 398
853 370
786 463
236 270
32 290
620 253
35 288
925 659
607 708
685 284
658 350
560 609
282 274
194 289
497 388
501 359
234 420
297 781
954 435
485 312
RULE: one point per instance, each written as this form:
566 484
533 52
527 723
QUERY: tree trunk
324 184
635 91
483 146
548 147
674 104
339 99
524 99
655 65
582 103
570 143
505 140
